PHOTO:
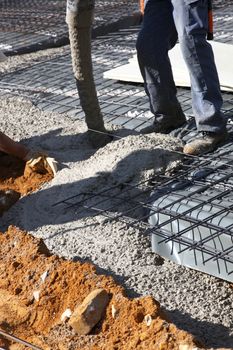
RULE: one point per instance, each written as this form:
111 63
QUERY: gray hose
79 24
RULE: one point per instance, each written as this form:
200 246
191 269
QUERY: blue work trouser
164 22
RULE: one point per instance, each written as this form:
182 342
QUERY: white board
223 57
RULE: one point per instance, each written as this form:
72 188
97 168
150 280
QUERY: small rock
36 295
148 320
63 241
114 311
18 290
66 314
44 276
89 313
16 264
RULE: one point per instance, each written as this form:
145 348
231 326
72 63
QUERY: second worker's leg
191 20
157 36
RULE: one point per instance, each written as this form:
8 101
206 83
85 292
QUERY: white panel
223 57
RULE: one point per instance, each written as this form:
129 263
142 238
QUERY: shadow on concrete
212 335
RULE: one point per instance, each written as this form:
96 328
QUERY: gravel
196 302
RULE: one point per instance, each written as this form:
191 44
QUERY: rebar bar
15 339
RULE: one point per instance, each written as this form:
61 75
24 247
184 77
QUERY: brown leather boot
205 143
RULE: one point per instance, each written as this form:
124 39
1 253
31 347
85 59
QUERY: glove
40 163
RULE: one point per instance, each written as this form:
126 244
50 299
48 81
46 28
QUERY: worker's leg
191 20
157 36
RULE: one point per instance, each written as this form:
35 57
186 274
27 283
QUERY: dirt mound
12 176
36 288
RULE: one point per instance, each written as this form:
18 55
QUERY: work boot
166 125
204 143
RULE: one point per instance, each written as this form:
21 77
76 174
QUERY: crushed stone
195 302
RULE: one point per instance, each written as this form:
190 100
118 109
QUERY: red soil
23 259
12 176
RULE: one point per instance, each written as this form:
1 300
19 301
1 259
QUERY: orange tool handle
141 4
210 34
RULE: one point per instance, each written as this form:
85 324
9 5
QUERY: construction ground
86 228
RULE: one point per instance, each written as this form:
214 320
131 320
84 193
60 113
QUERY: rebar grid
50 85
47 16
27 26
206 181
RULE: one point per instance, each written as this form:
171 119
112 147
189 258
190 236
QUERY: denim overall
164 22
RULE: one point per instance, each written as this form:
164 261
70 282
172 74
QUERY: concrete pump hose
79 18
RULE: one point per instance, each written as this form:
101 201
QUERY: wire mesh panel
50 84
223 29
190 211
193 221
189 214
27 25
